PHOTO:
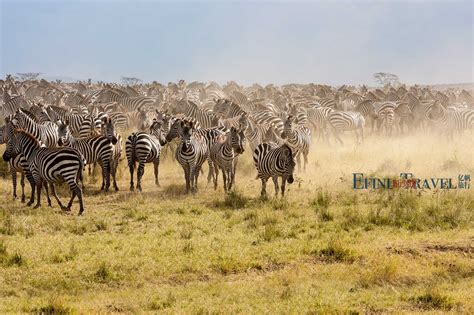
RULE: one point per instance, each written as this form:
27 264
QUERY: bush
335 251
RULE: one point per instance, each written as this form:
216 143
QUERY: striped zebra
274 161
208 135
191 153
344 121
385 112
190 109
95 149
47 132
48 165
298 139
239 122
366 108
223 154
108 131
17 164
317 118
143 147
450 120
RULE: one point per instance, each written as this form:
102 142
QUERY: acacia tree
27 76
130 80
384 78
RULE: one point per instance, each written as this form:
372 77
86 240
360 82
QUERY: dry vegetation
323 249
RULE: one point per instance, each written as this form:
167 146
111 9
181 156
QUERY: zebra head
243 122
63 132
108 129
186 130
155 130
288 126
287 162
174 129
237 140
14 144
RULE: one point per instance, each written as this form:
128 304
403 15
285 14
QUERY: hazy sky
265 42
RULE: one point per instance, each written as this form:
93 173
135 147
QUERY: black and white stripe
223 155
143 147
298 139
48 166
345 121
274 161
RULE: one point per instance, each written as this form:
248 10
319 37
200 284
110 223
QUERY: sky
329 42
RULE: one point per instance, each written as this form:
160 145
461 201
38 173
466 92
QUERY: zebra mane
28 135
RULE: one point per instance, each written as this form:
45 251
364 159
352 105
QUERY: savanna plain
324 248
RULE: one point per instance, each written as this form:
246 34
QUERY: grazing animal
191 153
274 161
298 139
94 149
48 165
223 155
143 147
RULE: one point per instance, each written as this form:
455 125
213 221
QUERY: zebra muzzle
291 179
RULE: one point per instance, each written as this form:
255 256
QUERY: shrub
335 251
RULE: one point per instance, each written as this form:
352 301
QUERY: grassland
323 249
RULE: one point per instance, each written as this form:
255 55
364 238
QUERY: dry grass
323 249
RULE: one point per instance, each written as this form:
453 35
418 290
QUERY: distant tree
89 81
384 78
27 76
131 80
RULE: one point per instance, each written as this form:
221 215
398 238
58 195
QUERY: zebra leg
39 183
47 194
211 170
305 158
263 193
131 166
283 186
30 179
216 173
53 189
298 157
194 170
230 176
156 164
224 177
234 169
13 172
275 182
114 173
106 174
187 174
22 183
140 172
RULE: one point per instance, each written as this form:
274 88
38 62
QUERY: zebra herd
53 129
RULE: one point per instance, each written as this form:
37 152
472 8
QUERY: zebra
366 108
223 155
48 165
450 120
191 153
17 164
240 122
274 161
208 135
385 112
143 147
347 120
47 132
206 119
108 130
94 149
298 139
